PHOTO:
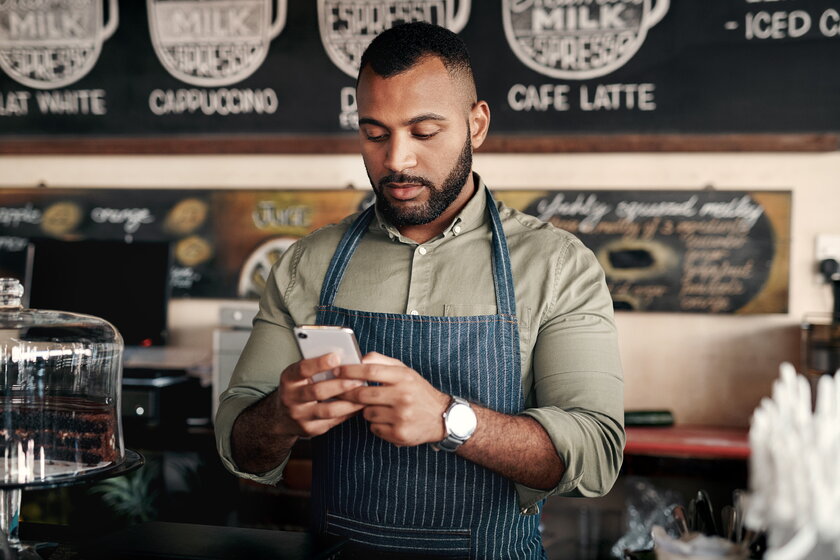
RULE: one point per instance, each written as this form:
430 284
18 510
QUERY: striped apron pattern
413 499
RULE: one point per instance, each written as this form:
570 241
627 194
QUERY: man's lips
404 191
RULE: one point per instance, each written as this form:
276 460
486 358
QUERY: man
492 354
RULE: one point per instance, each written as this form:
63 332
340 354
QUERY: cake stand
10 495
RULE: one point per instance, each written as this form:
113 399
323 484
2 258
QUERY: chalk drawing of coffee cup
214 42
52 44
578 40
348 26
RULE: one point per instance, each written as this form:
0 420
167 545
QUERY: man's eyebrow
409 122
368 120
425 117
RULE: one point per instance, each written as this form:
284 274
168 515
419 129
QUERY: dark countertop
183 541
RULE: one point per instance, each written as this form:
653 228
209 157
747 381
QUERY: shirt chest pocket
468 309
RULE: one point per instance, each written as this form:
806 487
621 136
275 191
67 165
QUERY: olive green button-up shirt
571 373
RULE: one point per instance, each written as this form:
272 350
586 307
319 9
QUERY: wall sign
52 44
699 251
112 69
703 251
347 28
577 41
216 43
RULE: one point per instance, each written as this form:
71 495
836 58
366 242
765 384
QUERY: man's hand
303 406
405 409
263 435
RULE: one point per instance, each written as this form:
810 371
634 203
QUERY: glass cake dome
60 378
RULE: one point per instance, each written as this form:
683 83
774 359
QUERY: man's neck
424 232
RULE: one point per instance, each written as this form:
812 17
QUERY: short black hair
399 48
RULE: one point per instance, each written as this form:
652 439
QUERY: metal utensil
705 513
727 519
739 503
692 515
681 519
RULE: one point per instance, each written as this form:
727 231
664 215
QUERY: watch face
461 421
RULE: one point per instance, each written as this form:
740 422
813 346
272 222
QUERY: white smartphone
317 340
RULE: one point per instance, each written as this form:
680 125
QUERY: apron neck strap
502 273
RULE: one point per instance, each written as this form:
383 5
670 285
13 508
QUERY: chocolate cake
69 430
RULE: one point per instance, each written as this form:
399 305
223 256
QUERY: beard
440 198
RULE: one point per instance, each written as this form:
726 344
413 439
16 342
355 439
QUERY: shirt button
415 312
422 250
530 510
456 230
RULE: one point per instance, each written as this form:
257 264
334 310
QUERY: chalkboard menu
269 69
703 251
691 251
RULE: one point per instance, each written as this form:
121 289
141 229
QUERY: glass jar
60 377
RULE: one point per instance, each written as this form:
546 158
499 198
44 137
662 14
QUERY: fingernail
332 360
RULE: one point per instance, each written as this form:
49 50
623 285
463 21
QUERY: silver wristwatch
460 422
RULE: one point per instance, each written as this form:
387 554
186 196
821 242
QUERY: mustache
403 178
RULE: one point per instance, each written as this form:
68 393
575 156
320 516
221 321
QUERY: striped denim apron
413 499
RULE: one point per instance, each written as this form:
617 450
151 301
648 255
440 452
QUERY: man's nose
400 155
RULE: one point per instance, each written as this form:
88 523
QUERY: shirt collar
470 217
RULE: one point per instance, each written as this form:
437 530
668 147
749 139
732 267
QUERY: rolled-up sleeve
269 350
578 384
231 404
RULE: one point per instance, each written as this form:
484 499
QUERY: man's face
416 142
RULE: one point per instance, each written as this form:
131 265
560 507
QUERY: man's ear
479 123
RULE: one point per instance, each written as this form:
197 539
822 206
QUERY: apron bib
404 500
